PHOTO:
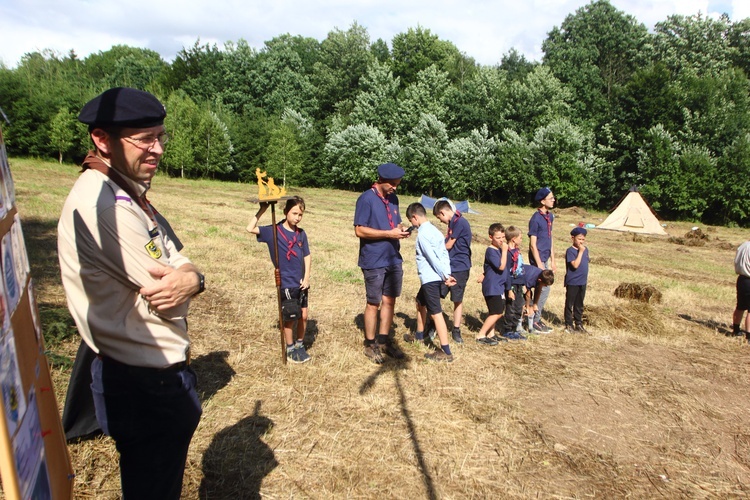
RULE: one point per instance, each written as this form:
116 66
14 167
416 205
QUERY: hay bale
635 317
641 292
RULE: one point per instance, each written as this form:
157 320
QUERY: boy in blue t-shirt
536 280
294 268
576 276
458 243
514 285
493 282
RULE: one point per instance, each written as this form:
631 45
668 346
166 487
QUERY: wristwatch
201 283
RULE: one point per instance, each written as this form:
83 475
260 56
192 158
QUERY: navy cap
123 107
542 194
578 230
390 171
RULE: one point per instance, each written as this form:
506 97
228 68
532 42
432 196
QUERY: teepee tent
633 214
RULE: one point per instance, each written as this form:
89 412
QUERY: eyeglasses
149 141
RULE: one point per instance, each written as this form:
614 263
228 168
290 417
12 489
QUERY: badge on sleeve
153 250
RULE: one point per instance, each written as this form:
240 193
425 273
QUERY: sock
289 348
369 342
382 339
735 329
456 329
299 342
419 335
446 349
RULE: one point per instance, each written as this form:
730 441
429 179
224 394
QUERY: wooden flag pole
270 193
277 276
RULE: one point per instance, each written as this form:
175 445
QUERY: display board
34 460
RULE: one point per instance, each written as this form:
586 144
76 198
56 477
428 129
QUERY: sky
482 29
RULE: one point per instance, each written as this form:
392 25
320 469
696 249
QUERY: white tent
633 214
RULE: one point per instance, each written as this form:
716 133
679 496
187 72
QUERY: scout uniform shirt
106 243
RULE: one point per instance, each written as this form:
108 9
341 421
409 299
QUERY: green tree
479 101
595 51
472 161
198 71
424 151
693 45
425 96
62 131
536 100
377 102
181 124
418 49
213 146
283 155
352 155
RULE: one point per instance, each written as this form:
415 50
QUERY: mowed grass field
651 404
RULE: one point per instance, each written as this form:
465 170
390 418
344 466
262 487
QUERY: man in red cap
128 290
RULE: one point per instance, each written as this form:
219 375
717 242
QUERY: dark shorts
743 293
495 304
296 293
383 281
457 290
429 296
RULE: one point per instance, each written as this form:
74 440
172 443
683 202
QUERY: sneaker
487 341
373 352
391 349
545 327
297 355
514 336
456 334
498 339
539 327
430 333
439 355
410 338
581 329
570 329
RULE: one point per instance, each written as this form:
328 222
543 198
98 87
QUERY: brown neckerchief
94 162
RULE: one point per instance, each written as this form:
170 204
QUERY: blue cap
578 230
390 171
542 194
123 107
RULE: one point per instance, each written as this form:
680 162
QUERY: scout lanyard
385 202
290 244
452 223
548 217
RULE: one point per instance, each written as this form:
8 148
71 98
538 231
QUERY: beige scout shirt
106 243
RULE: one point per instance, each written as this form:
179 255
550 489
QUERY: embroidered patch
153 250
154 233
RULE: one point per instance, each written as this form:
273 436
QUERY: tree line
610 105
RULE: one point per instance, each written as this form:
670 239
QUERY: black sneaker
456 334
581 329
486 341
372 351
391 349
297 355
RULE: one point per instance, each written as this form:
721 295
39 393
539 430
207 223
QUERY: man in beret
377 224
542 248
128 290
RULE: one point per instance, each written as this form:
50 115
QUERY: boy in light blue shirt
433 266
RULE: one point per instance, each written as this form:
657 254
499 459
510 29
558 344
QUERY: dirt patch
571 212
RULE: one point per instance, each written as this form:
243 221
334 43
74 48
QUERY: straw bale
638 291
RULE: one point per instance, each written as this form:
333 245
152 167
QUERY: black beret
390 171
123 107
578 230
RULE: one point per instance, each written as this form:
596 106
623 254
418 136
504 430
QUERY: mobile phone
410 229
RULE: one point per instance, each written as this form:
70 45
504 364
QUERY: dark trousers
151 414
513 309
574 295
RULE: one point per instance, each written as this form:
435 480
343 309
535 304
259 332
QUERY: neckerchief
517 267
290 244
452 223
101 165
385 202
547 217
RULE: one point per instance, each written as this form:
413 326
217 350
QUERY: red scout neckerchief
290 244
514 258
547 217
385 202
451 223
101 165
